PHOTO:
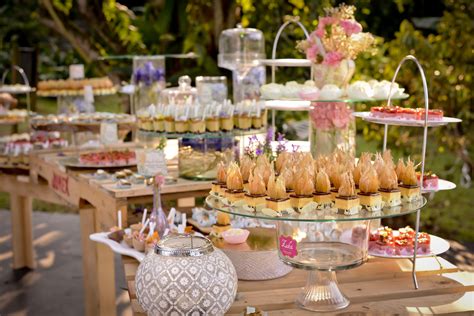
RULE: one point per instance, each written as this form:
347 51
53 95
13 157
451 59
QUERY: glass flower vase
149 79
332 127
339 75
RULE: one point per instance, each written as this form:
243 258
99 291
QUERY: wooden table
379 287
97 204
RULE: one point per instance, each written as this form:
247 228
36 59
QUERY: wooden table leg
22 231
98 267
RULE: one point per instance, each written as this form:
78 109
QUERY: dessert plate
442 186
16 89
286 62
366 116
121 248
438 246
74 163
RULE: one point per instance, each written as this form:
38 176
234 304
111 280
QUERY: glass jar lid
179 94
184 245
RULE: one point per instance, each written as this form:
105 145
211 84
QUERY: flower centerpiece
149 79
334 45
258 147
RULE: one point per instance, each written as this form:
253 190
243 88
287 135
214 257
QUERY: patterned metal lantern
186 275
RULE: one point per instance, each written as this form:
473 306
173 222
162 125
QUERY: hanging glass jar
332 127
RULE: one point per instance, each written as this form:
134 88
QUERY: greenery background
437 32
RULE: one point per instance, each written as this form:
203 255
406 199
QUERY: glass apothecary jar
211 89
199 156
149 79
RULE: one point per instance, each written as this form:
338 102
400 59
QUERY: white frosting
271 91
330 92
359 90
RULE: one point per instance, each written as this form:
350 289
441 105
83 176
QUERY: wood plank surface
378 287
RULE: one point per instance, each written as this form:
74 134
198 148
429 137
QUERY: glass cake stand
323 242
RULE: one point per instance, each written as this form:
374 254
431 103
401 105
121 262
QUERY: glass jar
149 79
199 157
211 89
240 48
332 127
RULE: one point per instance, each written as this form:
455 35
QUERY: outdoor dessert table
382 286
98 204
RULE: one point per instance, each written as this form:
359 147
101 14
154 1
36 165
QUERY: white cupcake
271 91
292 89
382 89
359 90
310 83
330 92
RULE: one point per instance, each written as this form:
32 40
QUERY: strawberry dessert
109 158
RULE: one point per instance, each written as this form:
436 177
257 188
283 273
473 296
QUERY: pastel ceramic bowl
235 236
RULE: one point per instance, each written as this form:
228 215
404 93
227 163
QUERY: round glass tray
220 134
327 215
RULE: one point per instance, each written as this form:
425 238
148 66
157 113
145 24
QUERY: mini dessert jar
186 275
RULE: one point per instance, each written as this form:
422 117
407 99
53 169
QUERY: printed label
60 184
288 246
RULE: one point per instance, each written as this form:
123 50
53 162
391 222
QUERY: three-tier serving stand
325 241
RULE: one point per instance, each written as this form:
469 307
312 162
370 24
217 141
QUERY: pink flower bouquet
330 115
338 36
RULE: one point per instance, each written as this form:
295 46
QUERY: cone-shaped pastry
347 201
409 187
256 191
218 187
246 166
281 161
303 191
322 194
389 187
235 184
363 163
277 198
379 164
288 175
369 195
388 159
400 169
335 175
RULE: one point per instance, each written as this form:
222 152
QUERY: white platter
286 62
16 89
120 248
438 246
443 185
74 163
366 116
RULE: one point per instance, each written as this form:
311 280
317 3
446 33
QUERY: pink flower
332 58
321 30
330 115
312 52
159 180
350 27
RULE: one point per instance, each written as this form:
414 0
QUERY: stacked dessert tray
24 88
323 258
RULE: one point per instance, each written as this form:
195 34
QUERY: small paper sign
150 162
288 246
108 133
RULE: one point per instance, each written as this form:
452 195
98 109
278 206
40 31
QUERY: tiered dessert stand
325 241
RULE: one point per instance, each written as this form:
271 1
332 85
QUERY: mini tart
234 195
323 199
181 126
289 192
349 205
227 123
216 187
263 117
212 124
148 124
169 125
298 201
245 122
278 205
256 122
159 125
391 197
246 186
334 193
253 200
222 189
410 193
371 201
236 121
197 126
